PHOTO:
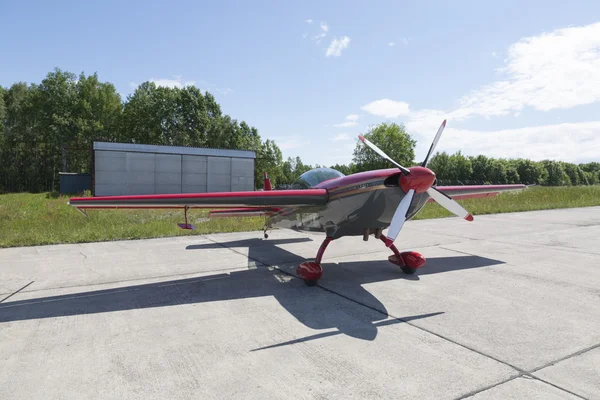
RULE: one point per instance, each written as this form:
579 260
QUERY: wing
264 200
476 191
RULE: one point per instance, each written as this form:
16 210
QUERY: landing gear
408 261
266 228
311 271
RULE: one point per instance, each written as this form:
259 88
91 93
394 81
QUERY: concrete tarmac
507 307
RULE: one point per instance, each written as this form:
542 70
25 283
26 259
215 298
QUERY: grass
534 198
36 219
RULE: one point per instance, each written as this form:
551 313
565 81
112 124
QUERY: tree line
47 125
458 169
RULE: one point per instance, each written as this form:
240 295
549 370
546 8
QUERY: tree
531 172
497 172
393 140
344 169
440 165
556 174
270 160
460 168
480 165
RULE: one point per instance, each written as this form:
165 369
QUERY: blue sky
513 78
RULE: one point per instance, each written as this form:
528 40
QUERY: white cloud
387 108
336 46
391 44
571 142
346 124
308 21
340 137
551 71
172 83
351 120
556 70
324 28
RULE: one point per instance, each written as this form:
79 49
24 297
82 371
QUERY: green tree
344 169
573 173
592 171
393 140
556 174
497 172
268 159
460 168
531 172
440 165
480 165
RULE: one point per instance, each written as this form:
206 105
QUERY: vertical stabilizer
267 184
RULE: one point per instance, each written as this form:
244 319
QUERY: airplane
327 201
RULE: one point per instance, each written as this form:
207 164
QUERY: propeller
417 180
377 150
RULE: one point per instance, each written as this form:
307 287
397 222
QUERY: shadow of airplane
315 308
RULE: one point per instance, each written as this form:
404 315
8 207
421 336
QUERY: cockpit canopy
311 178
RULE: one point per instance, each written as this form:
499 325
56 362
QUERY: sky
512 78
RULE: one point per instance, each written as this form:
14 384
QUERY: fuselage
365 200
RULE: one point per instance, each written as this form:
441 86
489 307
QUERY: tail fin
267 184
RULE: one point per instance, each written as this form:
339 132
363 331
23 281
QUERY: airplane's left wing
257 199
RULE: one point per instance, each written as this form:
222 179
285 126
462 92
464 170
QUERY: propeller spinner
416 180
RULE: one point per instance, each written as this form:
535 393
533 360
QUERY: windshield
315 176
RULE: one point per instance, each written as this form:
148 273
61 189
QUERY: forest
45 126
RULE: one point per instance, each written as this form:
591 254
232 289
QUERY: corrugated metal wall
130 173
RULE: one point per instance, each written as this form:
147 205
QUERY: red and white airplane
324 200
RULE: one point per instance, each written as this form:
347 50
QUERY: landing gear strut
311 271
408 261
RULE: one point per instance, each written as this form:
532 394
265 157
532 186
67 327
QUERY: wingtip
444 123
469 217
361 137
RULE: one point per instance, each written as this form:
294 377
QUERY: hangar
130 169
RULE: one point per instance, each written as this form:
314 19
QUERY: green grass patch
36 219
533 198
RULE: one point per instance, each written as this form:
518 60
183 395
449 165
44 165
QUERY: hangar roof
195 151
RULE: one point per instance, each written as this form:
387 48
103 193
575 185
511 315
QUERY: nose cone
420 179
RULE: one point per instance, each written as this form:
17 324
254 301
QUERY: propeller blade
399 218
382 154
449 203
434 143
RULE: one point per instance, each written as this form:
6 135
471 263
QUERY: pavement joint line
577 353
521 372
477 391
12 294
122 281
557 386
520 375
